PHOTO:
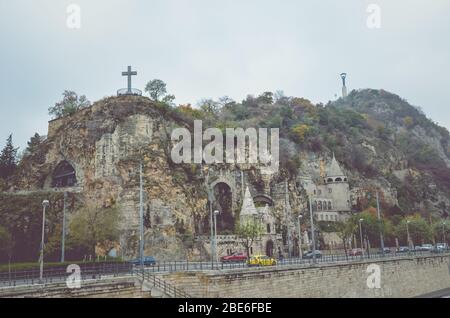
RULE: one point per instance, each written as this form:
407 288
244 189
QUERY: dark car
403 249
234 258
148 261
386 250
310 254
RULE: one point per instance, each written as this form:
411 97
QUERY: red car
234 258
356 252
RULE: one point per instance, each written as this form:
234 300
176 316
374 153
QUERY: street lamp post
63 229
407 234
380 225
379 221
360 236
300 252
443 233
216 212
141 217
211 218
312 230
45 204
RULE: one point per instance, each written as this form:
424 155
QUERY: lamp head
216 212
45 203
361 220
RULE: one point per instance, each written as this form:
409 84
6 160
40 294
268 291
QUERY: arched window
319 206
64 175
326 217
338 180
330 180
329 206
324 205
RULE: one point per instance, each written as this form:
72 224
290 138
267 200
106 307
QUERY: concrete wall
126 287
406 277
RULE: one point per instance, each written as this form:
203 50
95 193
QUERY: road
32 278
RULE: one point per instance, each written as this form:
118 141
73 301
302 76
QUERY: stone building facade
331 196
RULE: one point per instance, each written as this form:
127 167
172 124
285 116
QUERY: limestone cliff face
380 142
105 145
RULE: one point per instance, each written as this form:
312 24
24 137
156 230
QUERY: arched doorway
269 248
223 202
64 175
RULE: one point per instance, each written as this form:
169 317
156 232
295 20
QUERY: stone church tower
331 195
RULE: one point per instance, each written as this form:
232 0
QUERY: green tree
209 106
371 226
34 143
6 244
249 231
168 99
408 121
8 159
265 98
157 89
71 103
226 101
345 231
441 230
300 132
419 230
92 225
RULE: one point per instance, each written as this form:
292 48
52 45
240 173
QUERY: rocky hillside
383 142
380 140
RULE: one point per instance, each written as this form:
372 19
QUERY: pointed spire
248 207
334 170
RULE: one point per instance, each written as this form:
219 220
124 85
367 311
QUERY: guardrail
60 274
15 278
126 91
162 285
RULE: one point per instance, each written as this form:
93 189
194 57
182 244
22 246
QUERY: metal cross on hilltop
129 73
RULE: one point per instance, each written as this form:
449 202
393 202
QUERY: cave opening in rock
64 175
224 204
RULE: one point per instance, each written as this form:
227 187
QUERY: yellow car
262 260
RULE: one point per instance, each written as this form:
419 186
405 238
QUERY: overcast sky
211 48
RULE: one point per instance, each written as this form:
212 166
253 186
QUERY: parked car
403 249
437 249
387 250
443 246
440 248
356 252
234 258
309 254
262 260
419 248
427 247
148 261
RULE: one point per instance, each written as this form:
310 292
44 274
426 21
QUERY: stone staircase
158 287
